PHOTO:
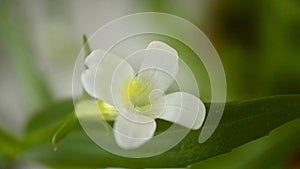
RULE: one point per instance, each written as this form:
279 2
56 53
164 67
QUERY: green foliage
9 146
241 123
261 42
43 124
274 150
40 129
64 129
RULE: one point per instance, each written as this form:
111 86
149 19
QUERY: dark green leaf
241 123
273 151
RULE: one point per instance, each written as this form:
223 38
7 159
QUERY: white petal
162 46
181 108
130 134
160 65
94 58
104 70
87 80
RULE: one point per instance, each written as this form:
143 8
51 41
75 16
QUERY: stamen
138 93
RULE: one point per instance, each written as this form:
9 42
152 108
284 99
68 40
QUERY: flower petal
105 74
160 65
181 108
130 134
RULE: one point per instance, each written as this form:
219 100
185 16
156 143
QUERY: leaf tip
55 148
84 39
86 45
54 143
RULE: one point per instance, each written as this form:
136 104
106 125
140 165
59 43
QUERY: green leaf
44 123
64 130
71 122
86 45
9 148
87 51
241 123
273 151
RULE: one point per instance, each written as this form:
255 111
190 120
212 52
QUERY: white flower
133 95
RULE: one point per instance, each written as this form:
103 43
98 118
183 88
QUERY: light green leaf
242 122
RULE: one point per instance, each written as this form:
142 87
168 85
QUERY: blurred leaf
34 90
9 148
242 122
44 123
268 152
4 161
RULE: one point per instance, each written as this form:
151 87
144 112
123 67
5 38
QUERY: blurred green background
258 43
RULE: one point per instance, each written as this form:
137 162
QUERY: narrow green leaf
64 130
44 123
86 45
87 51
241 123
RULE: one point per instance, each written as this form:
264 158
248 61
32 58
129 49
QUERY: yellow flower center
134 94
138 92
